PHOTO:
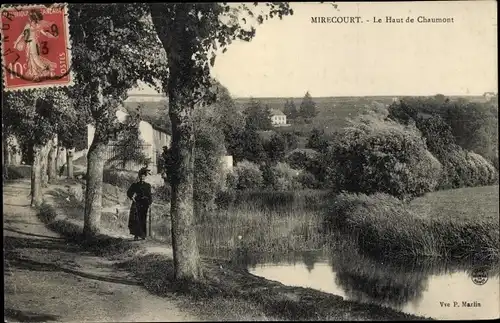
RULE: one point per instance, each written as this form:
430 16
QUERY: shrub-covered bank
385 226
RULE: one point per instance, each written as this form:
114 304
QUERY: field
464 204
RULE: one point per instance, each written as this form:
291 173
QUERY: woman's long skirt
138 219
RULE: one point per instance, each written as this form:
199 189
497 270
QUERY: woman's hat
144 171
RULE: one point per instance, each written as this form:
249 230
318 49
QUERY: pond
425 288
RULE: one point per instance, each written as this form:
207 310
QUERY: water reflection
418 287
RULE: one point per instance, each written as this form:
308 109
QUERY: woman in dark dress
140 194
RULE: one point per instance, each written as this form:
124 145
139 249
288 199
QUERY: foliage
209 175
379 155
284 178
33 116
224 115
307 107
248 145
232 180
290 109
249 175
292 140
385 226
308 180
471 125
130 146
301 158
450 128
258 117
317 140
105 69
463 168
275 148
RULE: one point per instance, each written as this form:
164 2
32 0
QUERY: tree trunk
69 163
177 41
93 191
44 163
52 167
61 161
186 257
5 158
39 154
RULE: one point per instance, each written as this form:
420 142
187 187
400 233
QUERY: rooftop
276 112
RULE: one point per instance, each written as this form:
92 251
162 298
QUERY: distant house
278 118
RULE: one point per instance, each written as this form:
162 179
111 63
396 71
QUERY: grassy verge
226 291
72 230
431 226
230 293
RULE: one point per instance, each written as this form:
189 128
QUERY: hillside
332 111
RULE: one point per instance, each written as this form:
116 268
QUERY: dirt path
47 279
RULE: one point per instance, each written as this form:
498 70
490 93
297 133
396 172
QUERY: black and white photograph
250 161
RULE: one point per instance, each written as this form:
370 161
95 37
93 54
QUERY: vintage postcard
250 161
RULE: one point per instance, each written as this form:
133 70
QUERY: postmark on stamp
36 50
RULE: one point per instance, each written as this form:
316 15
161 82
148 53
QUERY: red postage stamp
36 50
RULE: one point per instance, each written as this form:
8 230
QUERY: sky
288 57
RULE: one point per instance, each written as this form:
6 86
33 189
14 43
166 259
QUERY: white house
278 118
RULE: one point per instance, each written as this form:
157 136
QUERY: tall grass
387 227
258 221
265 221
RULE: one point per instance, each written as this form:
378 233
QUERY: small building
278 118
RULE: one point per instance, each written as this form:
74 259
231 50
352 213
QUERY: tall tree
191 34
114 46
276 147
258 116
129 147
290 109
308 106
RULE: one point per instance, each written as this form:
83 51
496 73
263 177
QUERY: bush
302 158
231 180
445 123
379 155
249 175
466 169
308 180
284 178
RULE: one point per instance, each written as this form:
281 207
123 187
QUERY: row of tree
169 46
